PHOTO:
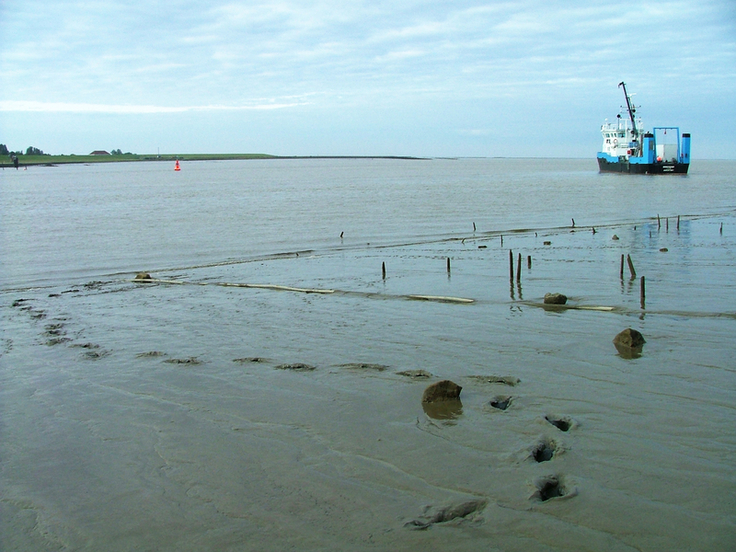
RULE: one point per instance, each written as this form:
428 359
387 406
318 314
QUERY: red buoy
177 167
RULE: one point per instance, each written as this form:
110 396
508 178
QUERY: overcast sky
532 78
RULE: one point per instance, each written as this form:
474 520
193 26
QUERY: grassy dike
53 160
50 160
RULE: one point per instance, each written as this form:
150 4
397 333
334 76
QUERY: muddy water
204 411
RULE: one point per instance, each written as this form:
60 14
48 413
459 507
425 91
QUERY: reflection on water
443 410
629 353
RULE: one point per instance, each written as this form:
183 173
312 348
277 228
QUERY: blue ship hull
626 166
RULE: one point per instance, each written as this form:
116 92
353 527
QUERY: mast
631 109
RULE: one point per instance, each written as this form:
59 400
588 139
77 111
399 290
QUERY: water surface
161 416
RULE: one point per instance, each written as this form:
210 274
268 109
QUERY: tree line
31 150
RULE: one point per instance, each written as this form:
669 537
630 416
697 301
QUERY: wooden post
621 273
667 224
721 229
573 223
659 223
501 240
518 269
631 266
383 270
678 223
448 265
642 292
473 227
529 262
511 264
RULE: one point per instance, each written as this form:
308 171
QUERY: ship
627 148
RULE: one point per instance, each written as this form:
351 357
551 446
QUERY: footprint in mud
191 361
94 355
415 374
460 512
501 402
95 285
57 341
545 450
296 367
503 380
150 354
364 366
54 329
563 423
550 487
55 333
246 360
86 345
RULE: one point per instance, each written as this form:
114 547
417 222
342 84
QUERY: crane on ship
631 109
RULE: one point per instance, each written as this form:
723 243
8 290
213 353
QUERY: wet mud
235 444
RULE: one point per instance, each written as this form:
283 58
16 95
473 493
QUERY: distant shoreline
53 160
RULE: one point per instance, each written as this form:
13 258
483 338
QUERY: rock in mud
555 299
629 344
629 338
143 277
444 390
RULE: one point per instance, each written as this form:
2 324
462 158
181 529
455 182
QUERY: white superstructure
622 139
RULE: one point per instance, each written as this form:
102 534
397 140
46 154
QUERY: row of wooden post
518 265
629 262
667 223
642 290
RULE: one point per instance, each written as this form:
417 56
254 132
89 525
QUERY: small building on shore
100 152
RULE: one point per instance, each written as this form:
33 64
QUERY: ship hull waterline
642 168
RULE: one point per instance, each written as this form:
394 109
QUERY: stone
554 299
444 390
142 277
629 338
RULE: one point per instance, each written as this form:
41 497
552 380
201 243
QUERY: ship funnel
648 148
685 149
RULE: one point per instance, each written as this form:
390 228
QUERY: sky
434 78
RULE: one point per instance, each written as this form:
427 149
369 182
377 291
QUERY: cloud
61 107
348 57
